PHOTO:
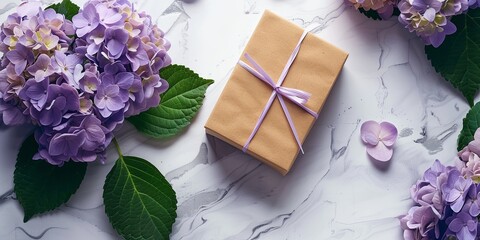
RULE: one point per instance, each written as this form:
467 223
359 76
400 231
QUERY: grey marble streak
334 191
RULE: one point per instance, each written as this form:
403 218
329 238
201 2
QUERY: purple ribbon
296 96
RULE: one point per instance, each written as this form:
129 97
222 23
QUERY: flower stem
117 146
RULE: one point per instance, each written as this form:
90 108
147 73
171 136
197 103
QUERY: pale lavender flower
86 20
20 57
42 68
108 100
379 139
90 82
69 66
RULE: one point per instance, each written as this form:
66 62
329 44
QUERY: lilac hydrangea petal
29 8
67 143
474 210
380 152
370 130
388 133
430 14
124 80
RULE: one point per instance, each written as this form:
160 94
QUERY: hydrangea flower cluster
383 7
447 199
429 19
77 80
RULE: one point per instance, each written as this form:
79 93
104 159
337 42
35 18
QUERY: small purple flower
35 93
69 66
456 189
473 203
464 226
86 21
42 68
108 100
116 41
90 82
379 139
20 57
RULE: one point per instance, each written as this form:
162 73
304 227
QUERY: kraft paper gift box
244 97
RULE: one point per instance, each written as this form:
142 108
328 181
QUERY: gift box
245 96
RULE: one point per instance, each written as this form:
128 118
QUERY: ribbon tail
290 122
259 121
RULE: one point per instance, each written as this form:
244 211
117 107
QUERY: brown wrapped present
245 96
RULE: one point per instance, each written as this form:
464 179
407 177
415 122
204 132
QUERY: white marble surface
334 191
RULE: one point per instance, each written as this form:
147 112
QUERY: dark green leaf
470 124
178 105
66 7
370 14
139 201
458 58
40 186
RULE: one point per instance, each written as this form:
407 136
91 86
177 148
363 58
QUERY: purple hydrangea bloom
77 90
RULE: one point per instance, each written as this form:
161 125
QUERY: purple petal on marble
388 133
370 131
380 152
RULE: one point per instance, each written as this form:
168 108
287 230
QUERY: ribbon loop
296 96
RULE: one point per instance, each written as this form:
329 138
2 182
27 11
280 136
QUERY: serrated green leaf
40 186
66 7
139 201
470 124
178 105
458 58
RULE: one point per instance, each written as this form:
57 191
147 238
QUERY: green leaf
66 7
178 105
458 58
370 14
470 124
40 186
139 201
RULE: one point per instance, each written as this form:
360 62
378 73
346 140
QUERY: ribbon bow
296 96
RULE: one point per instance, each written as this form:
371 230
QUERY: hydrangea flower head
78 91
430 19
